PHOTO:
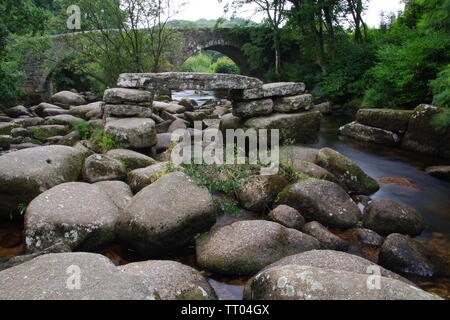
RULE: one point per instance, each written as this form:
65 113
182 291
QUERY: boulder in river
172 280
288 217
253 109
26 173
400 253
441 172
323 201
269 90
296 282
245 247
301 127
292 104
365 133
387 119
72 276
131 159
167 215
349 174
386 216
77 214
369 237
326 239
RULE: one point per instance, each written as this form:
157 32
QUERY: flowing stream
402 179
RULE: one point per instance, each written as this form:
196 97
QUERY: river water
402 177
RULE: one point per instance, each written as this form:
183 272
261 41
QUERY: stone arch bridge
40 72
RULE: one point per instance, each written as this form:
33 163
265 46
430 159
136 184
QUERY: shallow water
403 179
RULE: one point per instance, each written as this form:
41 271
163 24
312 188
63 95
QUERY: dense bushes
210 61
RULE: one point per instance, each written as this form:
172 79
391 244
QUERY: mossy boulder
323 201
167 215
326 239
259 192
47 131
365 133
348 173
387 119
26 173
422 136
246 247
140 178
99 167
386 216
7 127
300 127
288 217
131 159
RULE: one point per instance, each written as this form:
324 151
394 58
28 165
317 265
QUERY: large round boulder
245 247
322 201
26 173
119 192
386 216
336 260
72 276
67 98
172 280
400 253
349 174
294 282
288 217
131 159
167 215
75 213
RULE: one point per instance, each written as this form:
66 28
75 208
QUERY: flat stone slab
187 81
270 90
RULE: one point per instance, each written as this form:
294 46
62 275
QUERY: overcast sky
212 9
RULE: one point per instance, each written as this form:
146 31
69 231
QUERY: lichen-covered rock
391 120
245 247
441 172
127 96
5 141
172 280
132 160
119 192
77 214
173 108
300 127
84 110
26 173
167 215
293 282
140 178
229 121
64 119
18 111
127 111
423 137
53 277
302 102
326 239
296 155
66 99
323 201
258 192
365 133
99 167
253 109
288 217
269 90
336 260
386 216
187 81
349 174
135 133
47 131
400 253
7 127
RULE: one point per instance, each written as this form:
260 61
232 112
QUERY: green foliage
104 141
224 65
226 206
198 63
83 130
441 88
22 208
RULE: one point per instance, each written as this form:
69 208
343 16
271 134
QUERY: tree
275 14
